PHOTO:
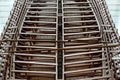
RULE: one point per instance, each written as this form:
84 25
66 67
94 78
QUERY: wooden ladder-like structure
60 40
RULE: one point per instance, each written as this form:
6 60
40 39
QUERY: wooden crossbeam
39 72
84 61
90 69
34 62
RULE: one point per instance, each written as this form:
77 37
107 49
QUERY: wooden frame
60 39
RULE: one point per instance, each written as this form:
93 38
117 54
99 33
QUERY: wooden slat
34 55
85 39
76 7
42 3
80 65
87 11
33 27
88 32
38 72
40 34
42 8
41 47
85 21
34 62
83 53
84 16
66 3
41 12
96 78
45 22
90 69
80 27
53 17
84 61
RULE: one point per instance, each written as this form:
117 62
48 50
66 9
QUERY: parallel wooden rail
60 40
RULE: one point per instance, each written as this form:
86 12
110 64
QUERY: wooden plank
88 32
105 25
35 62
112 44
34 55
90 38
85 21
41 27
90 69
84 61
41 47
42 3
77 7
45 22
39 34
108 31
87 11
82 58
13 27
33 75
80 27
41 66
72 3
53 17
83 53
79 65
38 72
42 8
84 16
42 12
96 78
